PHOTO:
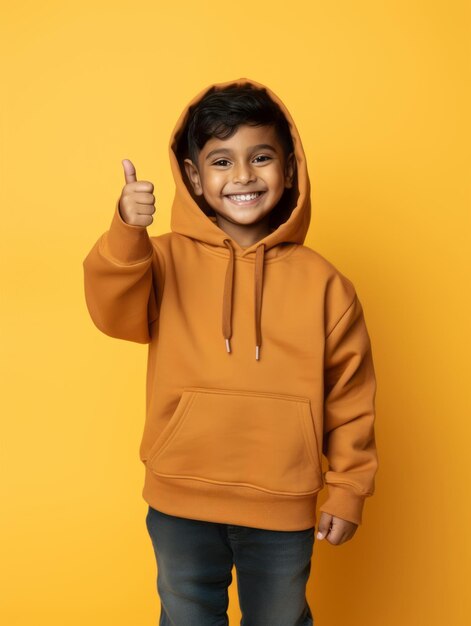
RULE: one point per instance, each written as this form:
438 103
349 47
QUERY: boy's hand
136 204
335 529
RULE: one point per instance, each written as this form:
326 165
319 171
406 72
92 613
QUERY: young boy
259 363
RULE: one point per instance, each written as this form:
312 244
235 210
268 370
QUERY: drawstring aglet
228 345
257 353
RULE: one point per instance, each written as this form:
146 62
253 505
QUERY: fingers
132 184
145 199
335 529
129 171
335 534
136 204
324 525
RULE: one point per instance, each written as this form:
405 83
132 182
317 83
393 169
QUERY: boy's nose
243 173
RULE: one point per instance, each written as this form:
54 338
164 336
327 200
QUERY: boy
237 422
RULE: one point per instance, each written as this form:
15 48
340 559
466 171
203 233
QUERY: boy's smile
242 179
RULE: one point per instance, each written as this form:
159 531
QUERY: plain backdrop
379 92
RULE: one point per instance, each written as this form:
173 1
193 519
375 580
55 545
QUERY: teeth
245 197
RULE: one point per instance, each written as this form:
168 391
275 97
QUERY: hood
189 219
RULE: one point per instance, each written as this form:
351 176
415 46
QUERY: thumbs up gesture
136 204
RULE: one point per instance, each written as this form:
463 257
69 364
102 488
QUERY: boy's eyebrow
257 147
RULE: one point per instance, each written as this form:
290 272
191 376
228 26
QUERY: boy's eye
221 161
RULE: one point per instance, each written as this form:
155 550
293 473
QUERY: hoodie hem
239 506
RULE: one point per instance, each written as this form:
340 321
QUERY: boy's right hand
136 204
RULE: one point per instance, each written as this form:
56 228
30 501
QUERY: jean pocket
266 441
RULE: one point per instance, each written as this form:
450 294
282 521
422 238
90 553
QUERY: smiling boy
234 439
252 161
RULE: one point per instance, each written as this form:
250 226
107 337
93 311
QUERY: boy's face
241 165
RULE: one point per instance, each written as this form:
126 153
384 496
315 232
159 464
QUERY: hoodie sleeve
119 281
349 412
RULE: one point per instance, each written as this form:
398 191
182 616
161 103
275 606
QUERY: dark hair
221 111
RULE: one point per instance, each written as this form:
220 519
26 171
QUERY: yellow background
378 92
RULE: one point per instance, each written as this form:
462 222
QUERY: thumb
129 171
324 525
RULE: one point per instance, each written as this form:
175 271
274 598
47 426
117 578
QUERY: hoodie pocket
265 441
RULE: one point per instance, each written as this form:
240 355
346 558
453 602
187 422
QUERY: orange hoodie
259 361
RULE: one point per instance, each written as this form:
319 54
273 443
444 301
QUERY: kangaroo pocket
266 441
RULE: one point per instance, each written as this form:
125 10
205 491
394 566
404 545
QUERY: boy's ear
194 177
290 170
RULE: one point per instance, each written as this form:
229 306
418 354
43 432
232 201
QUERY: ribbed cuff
127 243
343 502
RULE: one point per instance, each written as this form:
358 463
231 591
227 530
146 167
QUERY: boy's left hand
335 529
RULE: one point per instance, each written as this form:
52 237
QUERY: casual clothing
195 561
259 361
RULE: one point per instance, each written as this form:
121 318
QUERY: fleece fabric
259 366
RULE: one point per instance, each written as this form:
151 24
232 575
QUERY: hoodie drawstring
228 297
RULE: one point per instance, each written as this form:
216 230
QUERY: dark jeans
195 560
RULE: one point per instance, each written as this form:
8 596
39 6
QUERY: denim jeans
194 570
